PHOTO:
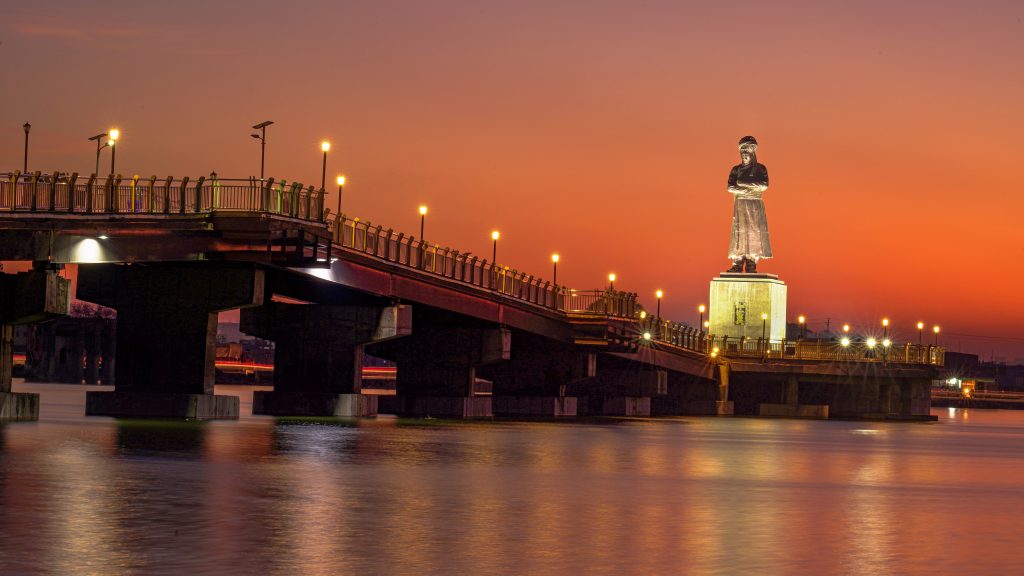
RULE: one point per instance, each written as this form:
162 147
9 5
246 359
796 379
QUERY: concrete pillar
163 363
318 355
534 380
34 296
620 387
437 367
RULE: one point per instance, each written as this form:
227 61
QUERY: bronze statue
748 181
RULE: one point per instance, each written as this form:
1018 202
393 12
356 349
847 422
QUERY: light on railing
707 323
801 319
764 316
643 314
871 342
886 343
845 342
647 335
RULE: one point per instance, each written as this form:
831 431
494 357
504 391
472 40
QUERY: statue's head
748 149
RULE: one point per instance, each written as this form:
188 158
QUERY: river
96 495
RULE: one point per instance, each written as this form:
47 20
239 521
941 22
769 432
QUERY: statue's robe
749 221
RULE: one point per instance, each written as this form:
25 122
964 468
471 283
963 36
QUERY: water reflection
699 496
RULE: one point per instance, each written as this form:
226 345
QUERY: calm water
690 495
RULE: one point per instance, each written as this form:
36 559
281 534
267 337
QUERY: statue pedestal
737 302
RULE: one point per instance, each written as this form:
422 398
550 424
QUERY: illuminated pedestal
739 300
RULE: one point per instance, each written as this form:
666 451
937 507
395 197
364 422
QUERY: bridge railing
674 333
396 247
826 350
61 193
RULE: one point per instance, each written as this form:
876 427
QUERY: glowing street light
658 294
554 268
611 281
341 184
494 253
846 328
701 310
920 333
112 137
423 219
871 342
325 146
647 335
801 321
886 343
707 324
845 342
935 329
885 326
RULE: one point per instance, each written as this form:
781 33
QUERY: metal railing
826 350
61 193
407 251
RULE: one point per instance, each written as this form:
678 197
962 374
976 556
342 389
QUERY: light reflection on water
699 496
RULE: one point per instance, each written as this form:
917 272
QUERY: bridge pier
533 381
437 367
620 387
166 335
318 355
27 297
690 395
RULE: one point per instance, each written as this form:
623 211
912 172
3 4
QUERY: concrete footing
810 411
615 406
15 406
286 403
671 407
439 406
127 404
546 406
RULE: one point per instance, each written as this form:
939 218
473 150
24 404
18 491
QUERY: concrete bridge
169 254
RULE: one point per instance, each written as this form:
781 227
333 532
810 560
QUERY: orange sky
603 130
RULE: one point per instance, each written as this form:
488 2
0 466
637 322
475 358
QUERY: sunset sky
604 131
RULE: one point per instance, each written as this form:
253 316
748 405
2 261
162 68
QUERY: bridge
169 254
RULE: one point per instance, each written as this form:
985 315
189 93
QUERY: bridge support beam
27 297
533 382
318 355
437 368
166 335
690 395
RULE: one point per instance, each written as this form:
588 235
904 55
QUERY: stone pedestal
738 301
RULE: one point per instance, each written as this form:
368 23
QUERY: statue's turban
748 142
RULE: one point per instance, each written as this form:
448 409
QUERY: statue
747 182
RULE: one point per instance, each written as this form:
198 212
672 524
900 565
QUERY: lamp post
494 253
24 168
801 321
764 333
112 137
701 310
325 146
423 220
885 327
554 268
99 147
341 184
920 333
658 294
935 329
611 282
262 137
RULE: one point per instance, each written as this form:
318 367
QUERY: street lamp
658 294
341 184
423 220
846 328
885 327
325 146
494 253
845 342
936 330
262 137
99 147
701 309
112 137
27 127
801 321
611 282
920 333
554 268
